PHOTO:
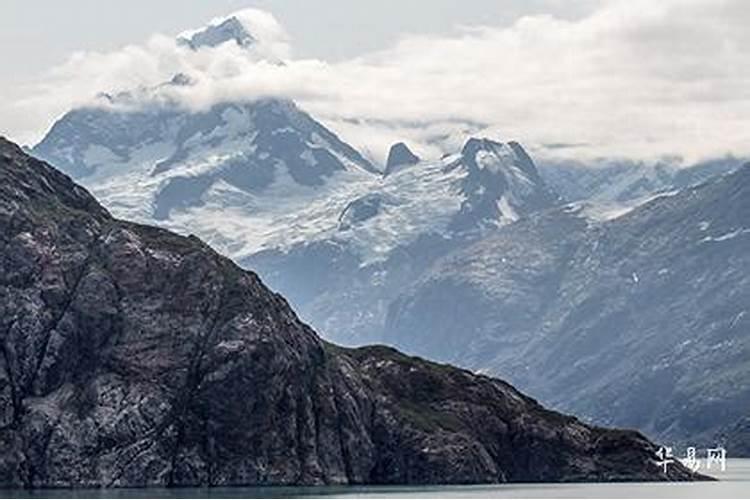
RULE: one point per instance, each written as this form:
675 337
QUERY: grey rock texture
641 321
131 356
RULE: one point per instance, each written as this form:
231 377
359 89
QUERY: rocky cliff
130 356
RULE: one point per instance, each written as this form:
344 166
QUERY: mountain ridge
649 303
132 356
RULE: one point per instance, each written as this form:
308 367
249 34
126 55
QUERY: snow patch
598 212
726 236
508 214
737 319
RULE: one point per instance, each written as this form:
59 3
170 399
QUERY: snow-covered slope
486 185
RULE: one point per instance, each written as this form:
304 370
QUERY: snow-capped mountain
276 190
263 175
471 257
270 186
502 184
148 163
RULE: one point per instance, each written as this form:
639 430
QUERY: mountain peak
399 155
230 29
502 184
476 144
497 154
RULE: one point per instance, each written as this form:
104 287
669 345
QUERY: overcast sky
619 77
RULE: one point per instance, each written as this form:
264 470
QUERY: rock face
503 184
399 156
639 321
131 356
736 438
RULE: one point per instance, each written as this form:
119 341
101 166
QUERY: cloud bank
634 78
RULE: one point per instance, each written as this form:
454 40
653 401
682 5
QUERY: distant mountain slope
627 182
131 356
371 245
639 321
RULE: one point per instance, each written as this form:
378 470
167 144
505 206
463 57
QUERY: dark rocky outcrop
361 209
502 185
398 156
130 356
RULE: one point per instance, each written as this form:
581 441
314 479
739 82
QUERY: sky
583 78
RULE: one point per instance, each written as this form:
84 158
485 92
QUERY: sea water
734 482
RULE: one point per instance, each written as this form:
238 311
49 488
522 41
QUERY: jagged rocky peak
131 356
399 155
230 29
502 184
483 153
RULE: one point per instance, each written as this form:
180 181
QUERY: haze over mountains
561 277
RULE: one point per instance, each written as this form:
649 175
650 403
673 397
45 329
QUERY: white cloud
634 78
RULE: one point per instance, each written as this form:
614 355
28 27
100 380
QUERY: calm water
733 483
